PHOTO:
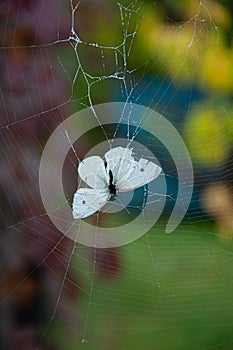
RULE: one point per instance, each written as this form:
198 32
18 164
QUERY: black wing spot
142 169
83 202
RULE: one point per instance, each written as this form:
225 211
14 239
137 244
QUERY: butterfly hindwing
87 201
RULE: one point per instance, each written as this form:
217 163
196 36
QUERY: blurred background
162 291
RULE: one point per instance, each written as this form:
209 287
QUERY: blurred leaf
206 137
216 70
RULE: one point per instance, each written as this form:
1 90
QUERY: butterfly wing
92 171
141 173
87 201
118 152
119 161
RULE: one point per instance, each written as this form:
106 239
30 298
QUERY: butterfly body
112 186
118 173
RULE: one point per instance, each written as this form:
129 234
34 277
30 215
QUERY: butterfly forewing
118 152
92 171
87 201
142 173
120 162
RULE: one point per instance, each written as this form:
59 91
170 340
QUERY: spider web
160 291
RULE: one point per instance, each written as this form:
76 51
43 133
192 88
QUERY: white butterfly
120 172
